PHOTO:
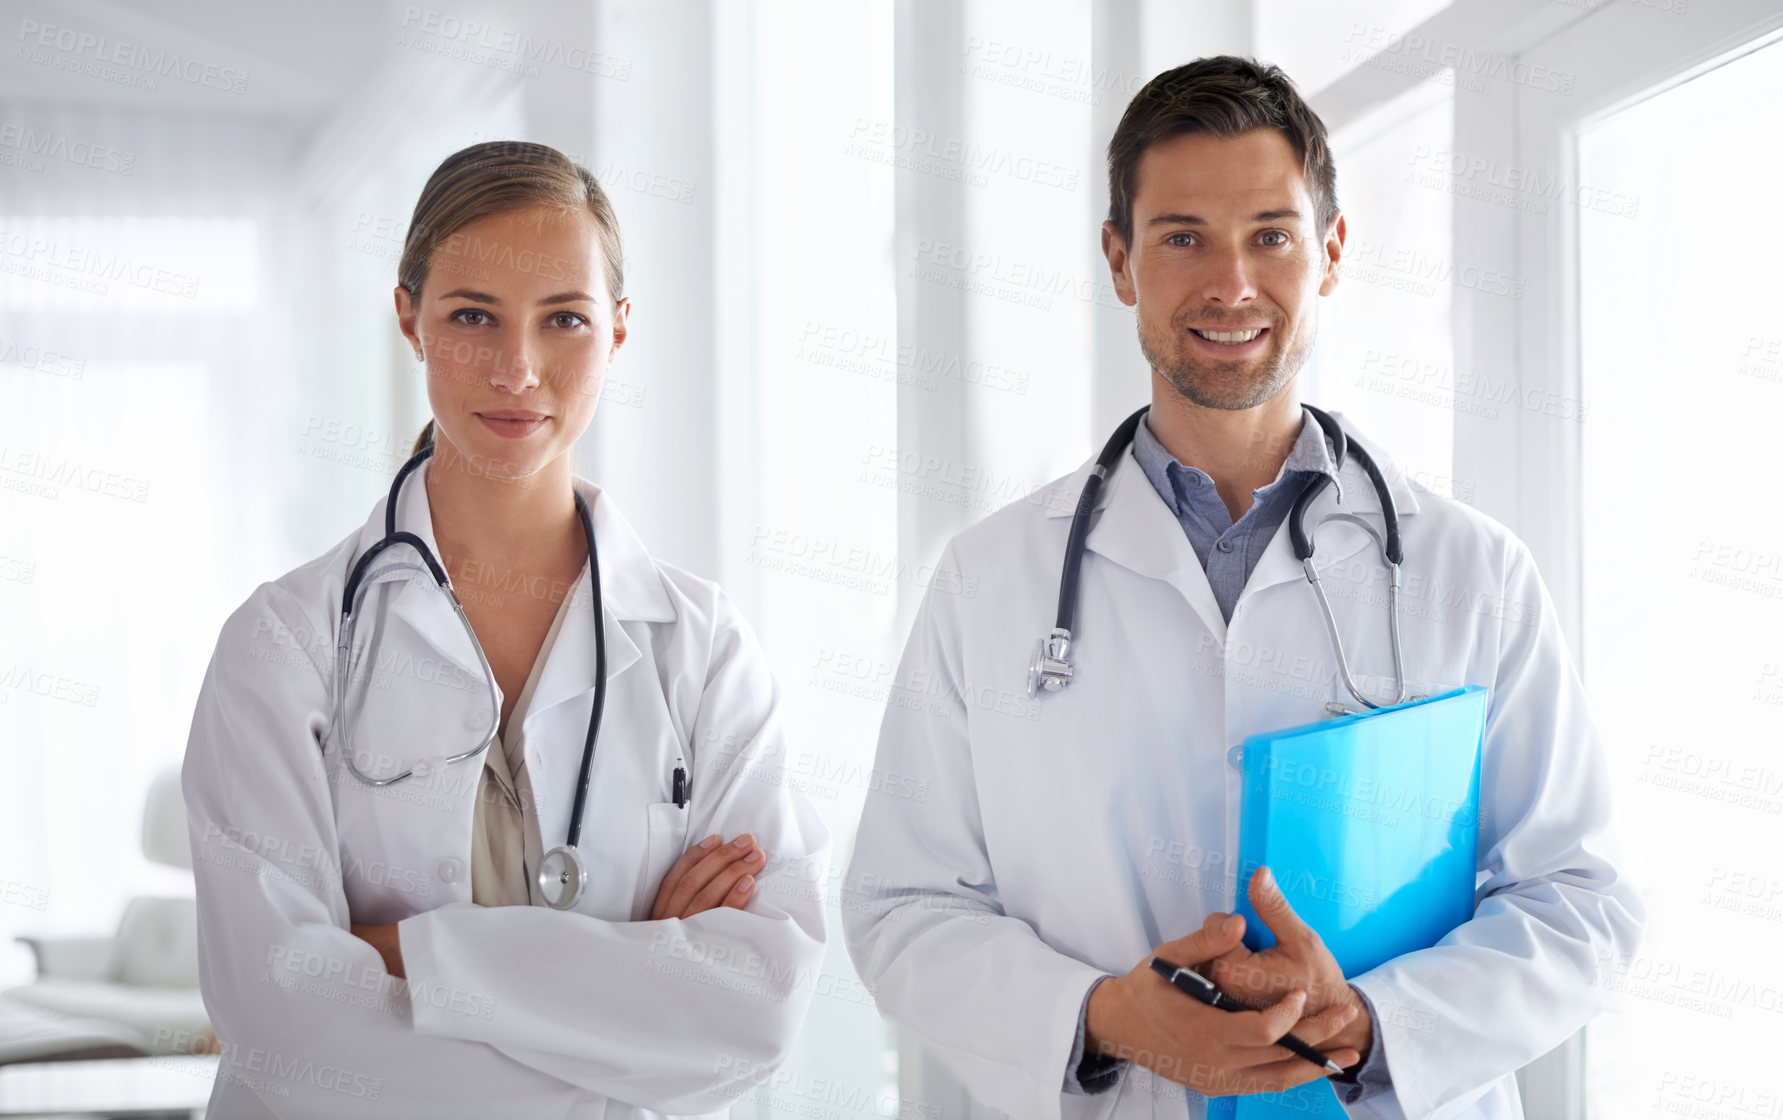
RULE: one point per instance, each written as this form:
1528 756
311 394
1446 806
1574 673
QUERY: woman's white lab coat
509 1011
1063 838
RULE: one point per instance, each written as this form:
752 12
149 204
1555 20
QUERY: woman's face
517 329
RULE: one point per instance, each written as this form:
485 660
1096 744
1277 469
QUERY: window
119 263
1682 362
105 533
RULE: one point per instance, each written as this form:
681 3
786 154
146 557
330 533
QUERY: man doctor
1008 919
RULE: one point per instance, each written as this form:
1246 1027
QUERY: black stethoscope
1050 669
563 874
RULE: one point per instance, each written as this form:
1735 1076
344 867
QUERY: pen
1203 989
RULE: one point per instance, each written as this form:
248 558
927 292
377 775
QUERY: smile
1230 338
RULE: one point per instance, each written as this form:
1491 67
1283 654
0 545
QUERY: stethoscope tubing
434 569
1051 668
600 678
343 674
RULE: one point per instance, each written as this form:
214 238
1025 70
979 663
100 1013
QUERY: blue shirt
1229 551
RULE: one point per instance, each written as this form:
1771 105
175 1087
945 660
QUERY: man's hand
708 876
1142 1018
1298 961
385 940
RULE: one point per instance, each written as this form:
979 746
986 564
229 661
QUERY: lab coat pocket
667 840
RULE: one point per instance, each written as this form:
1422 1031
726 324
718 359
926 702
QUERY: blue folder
1370 824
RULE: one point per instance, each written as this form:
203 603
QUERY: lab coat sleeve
1557 905
678 1015
924 926
308 1019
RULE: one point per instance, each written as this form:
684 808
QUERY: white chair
134 992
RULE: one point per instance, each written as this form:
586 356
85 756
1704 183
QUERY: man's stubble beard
1216 384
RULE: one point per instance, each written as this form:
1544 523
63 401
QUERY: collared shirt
1229 551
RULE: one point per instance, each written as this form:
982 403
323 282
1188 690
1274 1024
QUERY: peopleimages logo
79 50
28 142
503 47
1464 61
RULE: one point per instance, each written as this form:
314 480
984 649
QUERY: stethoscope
1051 667
563 874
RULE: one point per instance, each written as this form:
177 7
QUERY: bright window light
1682 354
170 266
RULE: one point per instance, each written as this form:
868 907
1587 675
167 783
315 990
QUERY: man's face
1224 265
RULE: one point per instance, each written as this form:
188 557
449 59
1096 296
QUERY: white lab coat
509 1011
1063 838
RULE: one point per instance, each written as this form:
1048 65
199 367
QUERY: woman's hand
385 940
708 876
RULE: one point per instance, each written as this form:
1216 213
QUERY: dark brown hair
1225 96
491 178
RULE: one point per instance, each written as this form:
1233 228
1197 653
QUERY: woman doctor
374 932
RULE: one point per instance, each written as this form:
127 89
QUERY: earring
418 356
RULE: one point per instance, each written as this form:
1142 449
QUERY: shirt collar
1309 455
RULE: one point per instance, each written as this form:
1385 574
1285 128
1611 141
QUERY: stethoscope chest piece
563 876
1051 667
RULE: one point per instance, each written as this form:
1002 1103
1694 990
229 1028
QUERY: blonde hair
491 178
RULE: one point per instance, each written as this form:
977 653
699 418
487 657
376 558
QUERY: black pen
1203 989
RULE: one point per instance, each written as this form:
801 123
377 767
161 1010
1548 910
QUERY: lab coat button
421 767
1235 757
448 870
478 720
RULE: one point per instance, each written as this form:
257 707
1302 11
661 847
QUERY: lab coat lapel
1136 530
1339 542
632 593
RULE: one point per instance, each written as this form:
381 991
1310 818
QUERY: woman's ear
405 320
620 311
